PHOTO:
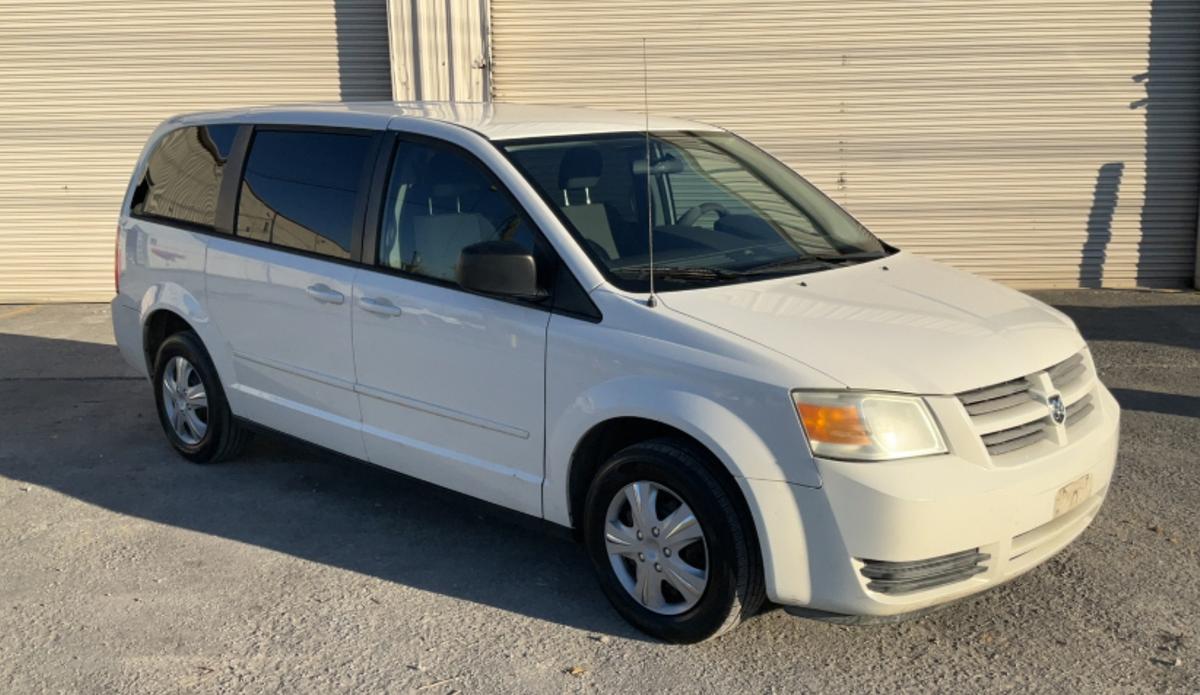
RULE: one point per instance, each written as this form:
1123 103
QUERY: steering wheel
694 213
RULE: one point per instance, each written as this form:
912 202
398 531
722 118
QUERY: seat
442 229
439 239
579 172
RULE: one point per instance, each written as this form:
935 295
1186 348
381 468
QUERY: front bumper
815 540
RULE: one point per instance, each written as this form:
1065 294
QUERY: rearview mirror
667 165
503 268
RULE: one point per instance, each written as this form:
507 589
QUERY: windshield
722 210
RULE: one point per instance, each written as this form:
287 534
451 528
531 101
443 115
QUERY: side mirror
503 268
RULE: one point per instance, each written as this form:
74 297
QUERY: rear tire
191 404
679 591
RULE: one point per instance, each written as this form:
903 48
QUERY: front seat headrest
580 168
450 175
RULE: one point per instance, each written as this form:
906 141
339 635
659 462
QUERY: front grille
1078 410
1013 438
1068 372
1010 416
906 577
991 399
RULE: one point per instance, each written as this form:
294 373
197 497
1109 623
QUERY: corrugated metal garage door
83 83
1041 142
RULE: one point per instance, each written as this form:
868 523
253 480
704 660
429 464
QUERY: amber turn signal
835 424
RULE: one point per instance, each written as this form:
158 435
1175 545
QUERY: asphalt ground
124 569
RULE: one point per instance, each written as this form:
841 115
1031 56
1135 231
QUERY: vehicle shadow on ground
1156 402
1173 325
99 441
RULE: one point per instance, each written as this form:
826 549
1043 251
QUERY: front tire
673 554
191 404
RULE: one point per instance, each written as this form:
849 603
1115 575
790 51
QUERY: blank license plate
1070 496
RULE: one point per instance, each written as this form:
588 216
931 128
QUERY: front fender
772 450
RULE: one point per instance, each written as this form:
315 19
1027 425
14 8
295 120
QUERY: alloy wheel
185 401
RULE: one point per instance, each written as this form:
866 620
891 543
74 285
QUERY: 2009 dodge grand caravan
764 402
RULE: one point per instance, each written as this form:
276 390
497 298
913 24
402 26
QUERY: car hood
902 323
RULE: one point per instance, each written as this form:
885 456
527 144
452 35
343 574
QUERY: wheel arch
159 325
599 444
608 437
628 409
167 308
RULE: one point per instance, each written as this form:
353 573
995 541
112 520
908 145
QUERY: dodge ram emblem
1058 411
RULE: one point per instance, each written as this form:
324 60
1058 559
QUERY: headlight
867 426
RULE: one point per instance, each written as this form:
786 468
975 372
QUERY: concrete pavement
124 569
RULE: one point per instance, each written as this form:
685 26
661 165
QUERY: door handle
325 294
379 305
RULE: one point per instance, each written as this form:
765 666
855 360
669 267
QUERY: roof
492 120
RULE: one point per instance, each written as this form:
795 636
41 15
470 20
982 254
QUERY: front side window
439 201
301 189
721 209
182 180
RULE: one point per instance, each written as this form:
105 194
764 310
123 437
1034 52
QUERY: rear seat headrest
580 168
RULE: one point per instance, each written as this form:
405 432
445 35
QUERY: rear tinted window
301 189
183 175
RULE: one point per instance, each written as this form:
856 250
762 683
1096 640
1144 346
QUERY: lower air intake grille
907 577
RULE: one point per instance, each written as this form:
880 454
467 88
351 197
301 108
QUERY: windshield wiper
811 262
679 272
799 263
855 257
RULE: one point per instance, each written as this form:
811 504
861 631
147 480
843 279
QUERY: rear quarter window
182 178
300 189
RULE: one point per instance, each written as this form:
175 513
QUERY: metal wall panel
438 49
83 83
1040 142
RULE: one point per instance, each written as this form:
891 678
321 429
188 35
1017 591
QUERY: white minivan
654 334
